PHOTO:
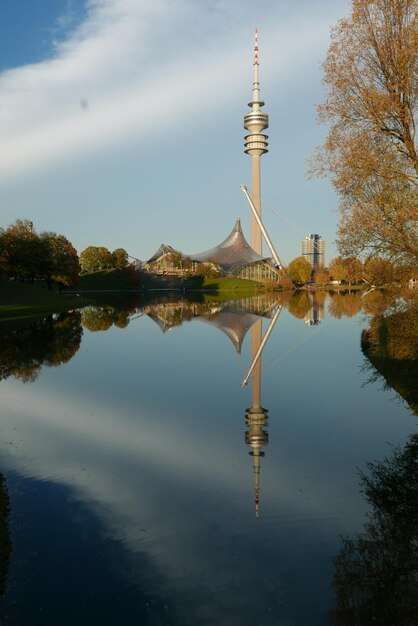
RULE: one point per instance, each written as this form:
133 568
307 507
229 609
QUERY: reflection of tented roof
163 249
162 324
231 319
233 323
233 253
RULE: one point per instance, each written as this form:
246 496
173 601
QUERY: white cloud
136 68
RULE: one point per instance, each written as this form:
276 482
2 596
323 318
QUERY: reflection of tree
299 305
319 298
52 341
345 304
5 544
376 573
391 346
376 302
96 318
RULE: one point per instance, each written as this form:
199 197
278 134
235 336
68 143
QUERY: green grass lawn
226 288
18 301
225 283
199 283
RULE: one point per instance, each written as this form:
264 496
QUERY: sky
121 121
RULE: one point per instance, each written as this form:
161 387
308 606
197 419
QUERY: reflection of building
234 318
313 249
256 415
316 313
256 438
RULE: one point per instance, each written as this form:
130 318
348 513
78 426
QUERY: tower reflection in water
234 319
256 417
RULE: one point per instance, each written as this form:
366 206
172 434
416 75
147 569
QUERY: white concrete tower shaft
256 145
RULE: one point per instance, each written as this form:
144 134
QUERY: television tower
256 145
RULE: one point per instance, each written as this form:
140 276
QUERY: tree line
49 342
26 255
374 271
96 258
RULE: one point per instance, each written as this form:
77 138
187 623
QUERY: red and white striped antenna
256 47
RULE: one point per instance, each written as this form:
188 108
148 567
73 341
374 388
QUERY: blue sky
121 121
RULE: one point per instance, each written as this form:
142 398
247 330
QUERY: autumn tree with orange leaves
371 155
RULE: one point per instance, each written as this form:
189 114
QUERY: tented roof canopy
231 254
162 250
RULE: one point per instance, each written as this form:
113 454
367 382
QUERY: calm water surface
143 491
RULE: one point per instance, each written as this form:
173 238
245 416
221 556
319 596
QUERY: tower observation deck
256 145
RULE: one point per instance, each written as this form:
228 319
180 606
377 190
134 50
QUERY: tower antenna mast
256 145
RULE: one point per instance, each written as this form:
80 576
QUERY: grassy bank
22 301
223 283
106 280
117 280
198 283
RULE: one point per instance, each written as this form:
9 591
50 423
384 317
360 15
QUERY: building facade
313 250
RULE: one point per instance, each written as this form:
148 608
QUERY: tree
119 258
285 281
337 269
187 264
26 253
321 277
354 270
131 275
4 261
174 259
378 271
299 270
371 70
62 265
94 258
208 269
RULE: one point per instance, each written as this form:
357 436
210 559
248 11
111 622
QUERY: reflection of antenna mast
263 343
256 437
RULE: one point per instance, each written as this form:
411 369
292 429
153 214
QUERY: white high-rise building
313 249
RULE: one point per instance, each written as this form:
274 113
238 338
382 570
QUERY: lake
147 486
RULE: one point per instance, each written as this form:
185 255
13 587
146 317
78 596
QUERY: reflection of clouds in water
161 496
170 477
127 469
